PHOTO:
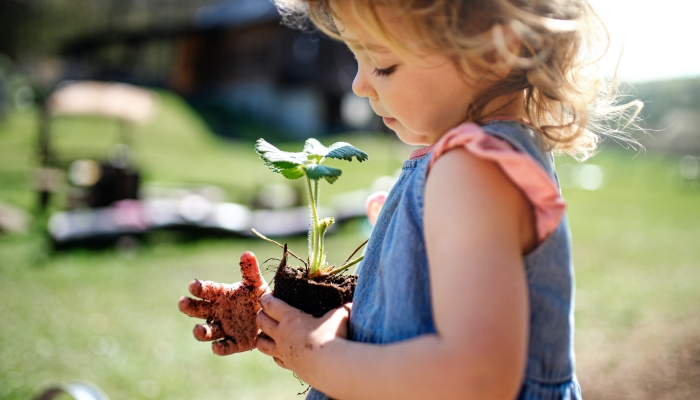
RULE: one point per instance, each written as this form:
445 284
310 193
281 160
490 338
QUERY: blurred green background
111 317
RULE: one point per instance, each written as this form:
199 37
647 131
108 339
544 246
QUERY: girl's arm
477 226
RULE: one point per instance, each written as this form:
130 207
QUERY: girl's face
419 98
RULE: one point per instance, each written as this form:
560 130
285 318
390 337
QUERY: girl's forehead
359 35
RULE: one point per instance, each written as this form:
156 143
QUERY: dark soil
315 297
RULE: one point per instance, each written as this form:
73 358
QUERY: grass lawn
112 318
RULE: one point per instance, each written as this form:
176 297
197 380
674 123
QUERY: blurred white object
13 219
590 177
354 204
690 168
76 390
195 208
115 100
384 183
84 173
277 195
286 222
233 217
355 111
584 176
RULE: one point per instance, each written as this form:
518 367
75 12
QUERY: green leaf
315 148
292 173
316 171
345 151
276 158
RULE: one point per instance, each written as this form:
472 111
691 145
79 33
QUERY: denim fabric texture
392 299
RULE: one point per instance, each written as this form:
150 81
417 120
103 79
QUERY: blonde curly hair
554 63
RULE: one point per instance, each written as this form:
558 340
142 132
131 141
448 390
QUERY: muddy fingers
208 332
250 270
225 347
196 308
207 290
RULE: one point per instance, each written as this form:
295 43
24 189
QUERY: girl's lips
388 120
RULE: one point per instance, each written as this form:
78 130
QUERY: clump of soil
313 296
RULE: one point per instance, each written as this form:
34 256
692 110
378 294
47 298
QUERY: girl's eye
384 72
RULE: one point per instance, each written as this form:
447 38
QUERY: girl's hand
295 339
230 309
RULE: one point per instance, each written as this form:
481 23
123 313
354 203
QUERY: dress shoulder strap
516 159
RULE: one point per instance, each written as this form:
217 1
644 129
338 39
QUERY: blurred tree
42 27
14 14
672 113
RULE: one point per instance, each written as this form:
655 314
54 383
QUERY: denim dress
392 300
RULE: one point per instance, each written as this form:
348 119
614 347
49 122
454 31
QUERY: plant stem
313 242
356 250
263 237
319 234
346 266
316 191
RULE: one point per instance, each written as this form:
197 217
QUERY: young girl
466 289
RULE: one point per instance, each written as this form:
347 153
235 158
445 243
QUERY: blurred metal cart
108 203
74 390
102 194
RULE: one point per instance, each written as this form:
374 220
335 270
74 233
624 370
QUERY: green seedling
307 164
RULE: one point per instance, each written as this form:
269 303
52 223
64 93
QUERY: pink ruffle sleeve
520 168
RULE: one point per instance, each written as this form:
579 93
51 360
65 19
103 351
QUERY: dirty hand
229 309
293 338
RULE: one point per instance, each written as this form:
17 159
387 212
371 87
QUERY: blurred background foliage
42 27
109 315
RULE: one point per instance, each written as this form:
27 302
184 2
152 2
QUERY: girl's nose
361 87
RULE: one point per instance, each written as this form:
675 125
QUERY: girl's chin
410 138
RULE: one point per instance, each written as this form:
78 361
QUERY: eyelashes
384 72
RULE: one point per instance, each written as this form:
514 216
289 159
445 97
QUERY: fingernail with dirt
183 303
195 287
